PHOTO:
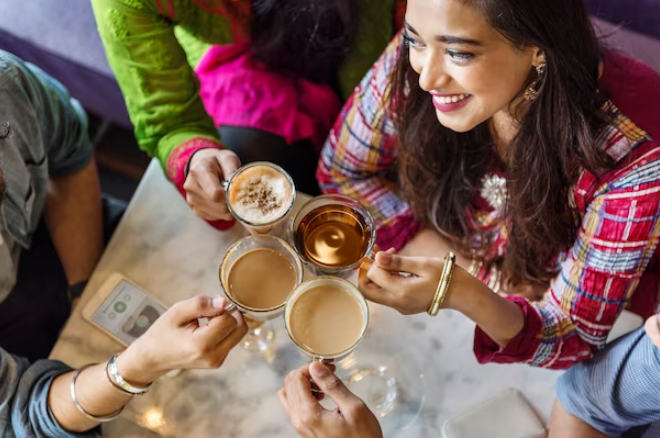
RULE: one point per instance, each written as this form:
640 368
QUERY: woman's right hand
176 341
409 294
206 171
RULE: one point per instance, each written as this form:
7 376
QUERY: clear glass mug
258 337
252 224
334 234
326 281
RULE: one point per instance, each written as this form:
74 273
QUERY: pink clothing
238 92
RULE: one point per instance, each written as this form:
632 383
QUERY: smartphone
123 310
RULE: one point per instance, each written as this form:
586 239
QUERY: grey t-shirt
9 253
43 133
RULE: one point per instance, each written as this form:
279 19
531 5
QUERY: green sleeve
160 88
375 31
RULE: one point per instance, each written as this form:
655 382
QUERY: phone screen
128 312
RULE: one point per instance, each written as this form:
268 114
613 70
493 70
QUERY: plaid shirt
599 274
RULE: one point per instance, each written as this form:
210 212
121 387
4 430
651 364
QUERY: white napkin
507 415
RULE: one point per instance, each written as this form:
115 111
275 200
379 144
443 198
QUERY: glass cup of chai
260 195
326 317
333 234
257 275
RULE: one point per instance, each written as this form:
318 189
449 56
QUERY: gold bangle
443 284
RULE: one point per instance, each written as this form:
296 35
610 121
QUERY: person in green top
268 72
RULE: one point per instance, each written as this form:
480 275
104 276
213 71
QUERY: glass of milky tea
260 195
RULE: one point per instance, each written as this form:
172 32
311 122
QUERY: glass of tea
333 233
260 195
326 317
257 275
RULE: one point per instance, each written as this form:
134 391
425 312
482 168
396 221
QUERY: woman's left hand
409 293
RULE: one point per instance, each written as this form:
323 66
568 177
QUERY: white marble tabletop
174 255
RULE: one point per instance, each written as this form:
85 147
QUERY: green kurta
153 45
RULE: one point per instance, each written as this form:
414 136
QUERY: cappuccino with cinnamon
260 195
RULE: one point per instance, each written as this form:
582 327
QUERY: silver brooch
493 190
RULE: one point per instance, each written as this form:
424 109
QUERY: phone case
133 326
507 415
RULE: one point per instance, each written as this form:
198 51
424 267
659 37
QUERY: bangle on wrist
443 284
74 397
118 382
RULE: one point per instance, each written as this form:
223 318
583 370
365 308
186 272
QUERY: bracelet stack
117 382
74 397
443 284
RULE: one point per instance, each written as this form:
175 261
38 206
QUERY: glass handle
368 259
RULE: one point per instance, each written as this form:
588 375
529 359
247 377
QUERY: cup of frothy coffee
333 234
260 195
326 317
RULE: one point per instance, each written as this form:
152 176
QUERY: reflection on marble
174 255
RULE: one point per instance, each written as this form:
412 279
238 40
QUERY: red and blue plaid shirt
613 257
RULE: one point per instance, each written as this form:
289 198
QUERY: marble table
162 246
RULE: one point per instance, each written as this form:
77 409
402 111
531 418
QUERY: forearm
94 391
501 319
498 317
429 243
75 222
563 424
94 394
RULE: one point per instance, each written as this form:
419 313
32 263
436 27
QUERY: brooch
493 190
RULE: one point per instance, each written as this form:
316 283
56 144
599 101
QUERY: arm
175 341
564 424
160 87
50 141
617 390
75 223
619 234
73 202
24 409
359 156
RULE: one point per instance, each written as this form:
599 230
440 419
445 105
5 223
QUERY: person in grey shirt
51 214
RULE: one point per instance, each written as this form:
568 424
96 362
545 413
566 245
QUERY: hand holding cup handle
368 260
177 341
351 419
406 284
205 186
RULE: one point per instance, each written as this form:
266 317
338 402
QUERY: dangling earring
532 92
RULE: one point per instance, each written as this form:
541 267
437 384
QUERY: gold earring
532 92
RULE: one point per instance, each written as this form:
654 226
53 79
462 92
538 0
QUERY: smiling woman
501 130
491 56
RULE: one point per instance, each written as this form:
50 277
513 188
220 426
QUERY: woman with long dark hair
213 83
542 175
